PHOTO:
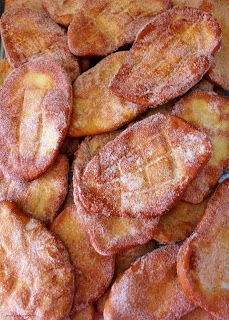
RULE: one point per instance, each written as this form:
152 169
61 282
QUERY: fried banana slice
149 290
198 314
101 27
5 69
170 55
41 198
95 109
28 34
62 12
108 235
32 4
35 111
85 314
203 258
180 222
145 170
210 113
125 259
94 272
36 273
219 73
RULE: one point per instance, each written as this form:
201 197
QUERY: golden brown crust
5 69
210 113
36 273
219 73
93 271
203 258
169 56
179 222
108 235
35 111
101 27
85 314
32 4
95 109
149 290
145 170
198 314
29 34
41 198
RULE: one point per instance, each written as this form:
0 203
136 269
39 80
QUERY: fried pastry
149 290
37 279
219 73
180 222
35 111
29 34
5 69
101 27
94 272
170 55
145 170
41 198
85 314
95 109
126 258
210 113
32 4
203 258
198 314
108 235
62 12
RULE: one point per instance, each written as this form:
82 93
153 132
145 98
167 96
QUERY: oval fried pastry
29 34
94 272
170 55
210 113
198 314
41 198
5 69
36 273
203 258
145 170
179 222
148 290
35 111
95 109
108 235
32 4
219 73
101 27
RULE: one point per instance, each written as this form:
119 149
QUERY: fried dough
85 314
101 27
93 271
62 12
219 73
170 55
35 111
124 259
203 258
198 314
145 170
210 113
180 222
95 109
37 279
32 4
5 69
40 198
28 34
108 235
148 290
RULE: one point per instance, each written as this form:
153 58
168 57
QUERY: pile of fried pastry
114 141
